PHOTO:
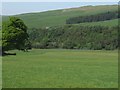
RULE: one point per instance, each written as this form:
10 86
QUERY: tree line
93 18
75 37
15 35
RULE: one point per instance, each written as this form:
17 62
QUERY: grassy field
0 72
61 68
102 23
58 17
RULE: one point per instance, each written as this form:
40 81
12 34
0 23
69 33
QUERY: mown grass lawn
0 72
61 69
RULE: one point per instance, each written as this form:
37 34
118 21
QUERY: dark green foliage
14 35
75 37
93 18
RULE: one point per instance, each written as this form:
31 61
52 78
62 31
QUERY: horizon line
33 12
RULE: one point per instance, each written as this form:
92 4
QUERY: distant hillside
58 17
102 23
98 29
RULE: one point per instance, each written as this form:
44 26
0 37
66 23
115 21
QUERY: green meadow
63 68
113 22
58 17
60 68
0 72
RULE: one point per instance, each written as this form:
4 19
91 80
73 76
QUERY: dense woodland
71 36
93 18
75 37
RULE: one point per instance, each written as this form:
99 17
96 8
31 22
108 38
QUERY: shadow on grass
5 54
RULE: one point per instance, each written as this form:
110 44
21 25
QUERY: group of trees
75 37
93 18
14 35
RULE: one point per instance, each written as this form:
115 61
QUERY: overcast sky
13 8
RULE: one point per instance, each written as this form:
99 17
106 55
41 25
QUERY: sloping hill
113 22
58 17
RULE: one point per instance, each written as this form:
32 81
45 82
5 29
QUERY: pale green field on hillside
102 23
58 17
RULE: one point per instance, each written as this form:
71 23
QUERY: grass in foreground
0 72
61 68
